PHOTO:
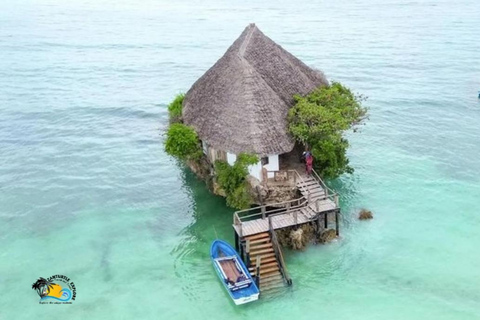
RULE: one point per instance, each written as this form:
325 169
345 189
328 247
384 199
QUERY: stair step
264 266
260 246
309 183
262 251
317 195
258 236
308 212
268 259
306 182
262 261
271 286
252 242
263 256
270 278
266 271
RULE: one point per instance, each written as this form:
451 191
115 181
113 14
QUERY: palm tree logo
43 286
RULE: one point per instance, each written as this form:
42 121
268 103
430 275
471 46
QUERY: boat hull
241 292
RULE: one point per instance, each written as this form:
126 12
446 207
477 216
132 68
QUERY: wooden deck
317 202
303 215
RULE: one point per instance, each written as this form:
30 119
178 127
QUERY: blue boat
233 273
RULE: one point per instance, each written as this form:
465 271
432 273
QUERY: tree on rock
319 120
182 142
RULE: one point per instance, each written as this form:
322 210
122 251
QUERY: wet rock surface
365 214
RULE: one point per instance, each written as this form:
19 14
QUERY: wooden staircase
260 246
317 193
312 186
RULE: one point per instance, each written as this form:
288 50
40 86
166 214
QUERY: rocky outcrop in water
326 236
296 238
365 214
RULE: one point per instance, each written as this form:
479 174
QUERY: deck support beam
318 224
337 228
237 246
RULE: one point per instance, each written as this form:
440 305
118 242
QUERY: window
264 161
221 155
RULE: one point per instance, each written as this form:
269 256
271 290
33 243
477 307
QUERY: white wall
231 158
273 165
256 170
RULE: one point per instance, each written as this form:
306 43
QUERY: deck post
337 230
295 216
236 241
325 220
242 253
263 212
317 206
247 252
336 200
318 224
288 206
257 271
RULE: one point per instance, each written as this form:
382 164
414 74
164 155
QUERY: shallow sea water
87 191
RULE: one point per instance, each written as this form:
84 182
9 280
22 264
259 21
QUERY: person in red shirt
309 163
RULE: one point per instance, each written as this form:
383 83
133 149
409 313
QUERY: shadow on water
211 219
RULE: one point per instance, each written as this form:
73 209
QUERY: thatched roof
241 103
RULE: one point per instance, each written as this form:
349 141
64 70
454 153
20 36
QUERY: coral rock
365 214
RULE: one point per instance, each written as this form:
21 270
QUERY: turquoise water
87 191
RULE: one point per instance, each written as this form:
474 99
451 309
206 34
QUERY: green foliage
175 108
330 156
232 179
244 160
182 142
318 121
229 177
240 198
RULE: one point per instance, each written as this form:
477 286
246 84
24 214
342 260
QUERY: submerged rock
296 238
365 214
327 236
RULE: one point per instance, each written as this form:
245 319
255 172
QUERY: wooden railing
288 176
302 183
261 212
324 186
257 270
278 253
292 177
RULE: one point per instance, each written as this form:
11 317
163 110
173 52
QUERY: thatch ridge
241 103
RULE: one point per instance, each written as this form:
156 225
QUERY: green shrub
240 198
318 121
175 108
331 156
232 179
182 142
